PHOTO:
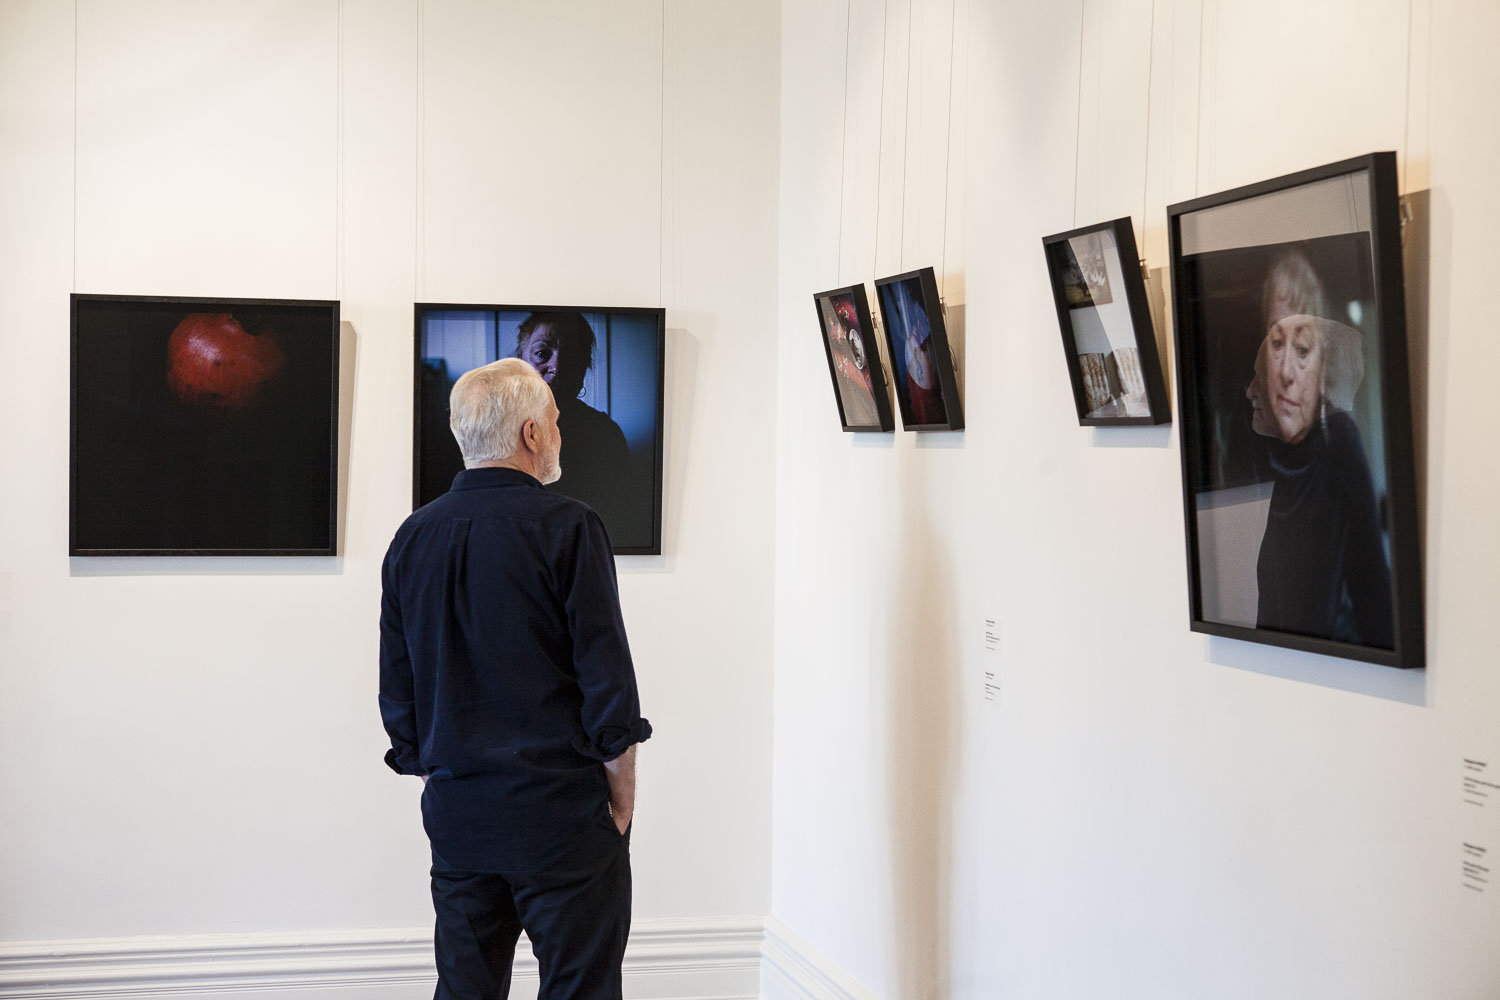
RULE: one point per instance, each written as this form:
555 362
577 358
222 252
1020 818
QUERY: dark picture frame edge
1406 571
886 422
942 355
75 299
654 548
1123 231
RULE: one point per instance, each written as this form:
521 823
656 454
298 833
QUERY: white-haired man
506 683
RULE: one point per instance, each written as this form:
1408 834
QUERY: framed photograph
1083 273
1106 326
921 362
606 369
1298 482
203 426
854 360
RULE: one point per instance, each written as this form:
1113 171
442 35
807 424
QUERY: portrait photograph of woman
1296 441
605 369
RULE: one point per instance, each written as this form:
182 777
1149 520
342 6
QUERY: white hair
488 407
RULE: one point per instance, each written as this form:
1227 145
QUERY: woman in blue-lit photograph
595 457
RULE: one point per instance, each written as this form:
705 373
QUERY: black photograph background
203 426
611 411
1299 492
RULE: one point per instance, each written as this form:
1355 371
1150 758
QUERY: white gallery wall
1137 811
192 746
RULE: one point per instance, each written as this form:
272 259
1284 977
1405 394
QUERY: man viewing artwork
506 683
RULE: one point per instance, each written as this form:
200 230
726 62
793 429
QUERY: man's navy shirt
505 674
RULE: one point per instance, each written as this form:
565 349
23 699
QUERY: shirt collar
478 479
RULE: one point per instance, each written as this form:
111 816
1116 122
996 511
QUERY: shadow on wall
1416 254
348 354
921 739
955 320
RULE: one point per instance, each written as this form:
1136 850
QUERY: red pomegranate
214 364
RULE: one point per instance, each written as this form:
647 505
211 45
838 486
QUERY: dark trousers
577 915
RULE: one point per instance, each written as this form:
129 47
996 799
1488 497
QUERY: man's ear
528 435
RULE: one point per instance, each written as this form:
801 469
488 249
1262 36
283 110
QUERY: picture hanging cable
75 145
419 233
1146 169
338 172
885 31
1406 134
661 173
838 263
911 10
1083 10
948 147
1198 128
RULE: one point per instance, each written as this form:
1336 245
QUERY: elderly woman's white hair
488 407
1293 284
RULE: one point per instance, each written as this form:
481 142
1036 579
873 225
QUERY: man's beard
551 470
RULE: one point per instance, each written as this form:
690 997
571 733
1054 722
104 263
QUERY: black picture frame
628 371
1295 412
909 301
203 426
1100 296
854 364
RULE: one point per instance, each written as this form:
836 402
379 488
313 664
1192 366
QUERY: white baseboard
670 959
794 970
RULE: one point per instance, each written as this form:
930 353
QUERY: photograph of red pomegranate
214 363
203 426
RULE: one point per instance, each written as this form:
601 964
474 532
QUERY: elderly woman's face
1294 361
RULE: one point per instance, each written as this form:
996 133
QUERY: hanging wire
838 264
1404 197
661 173
1083 9
948 150
75 145
1406 135
911 10
885 32
1198 128
1146 170
419 243
338 177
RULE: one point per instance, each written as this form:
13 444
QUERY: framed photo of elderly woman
853 359
921 363
1299 491
606 367
1106 326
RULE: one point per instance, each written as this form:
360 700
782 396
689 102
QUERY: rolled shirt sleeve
611 712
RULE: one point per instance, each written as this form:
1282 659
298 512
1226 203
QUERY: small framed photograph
854 360
921 362
1107 335
606 367
1298 481
203 426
